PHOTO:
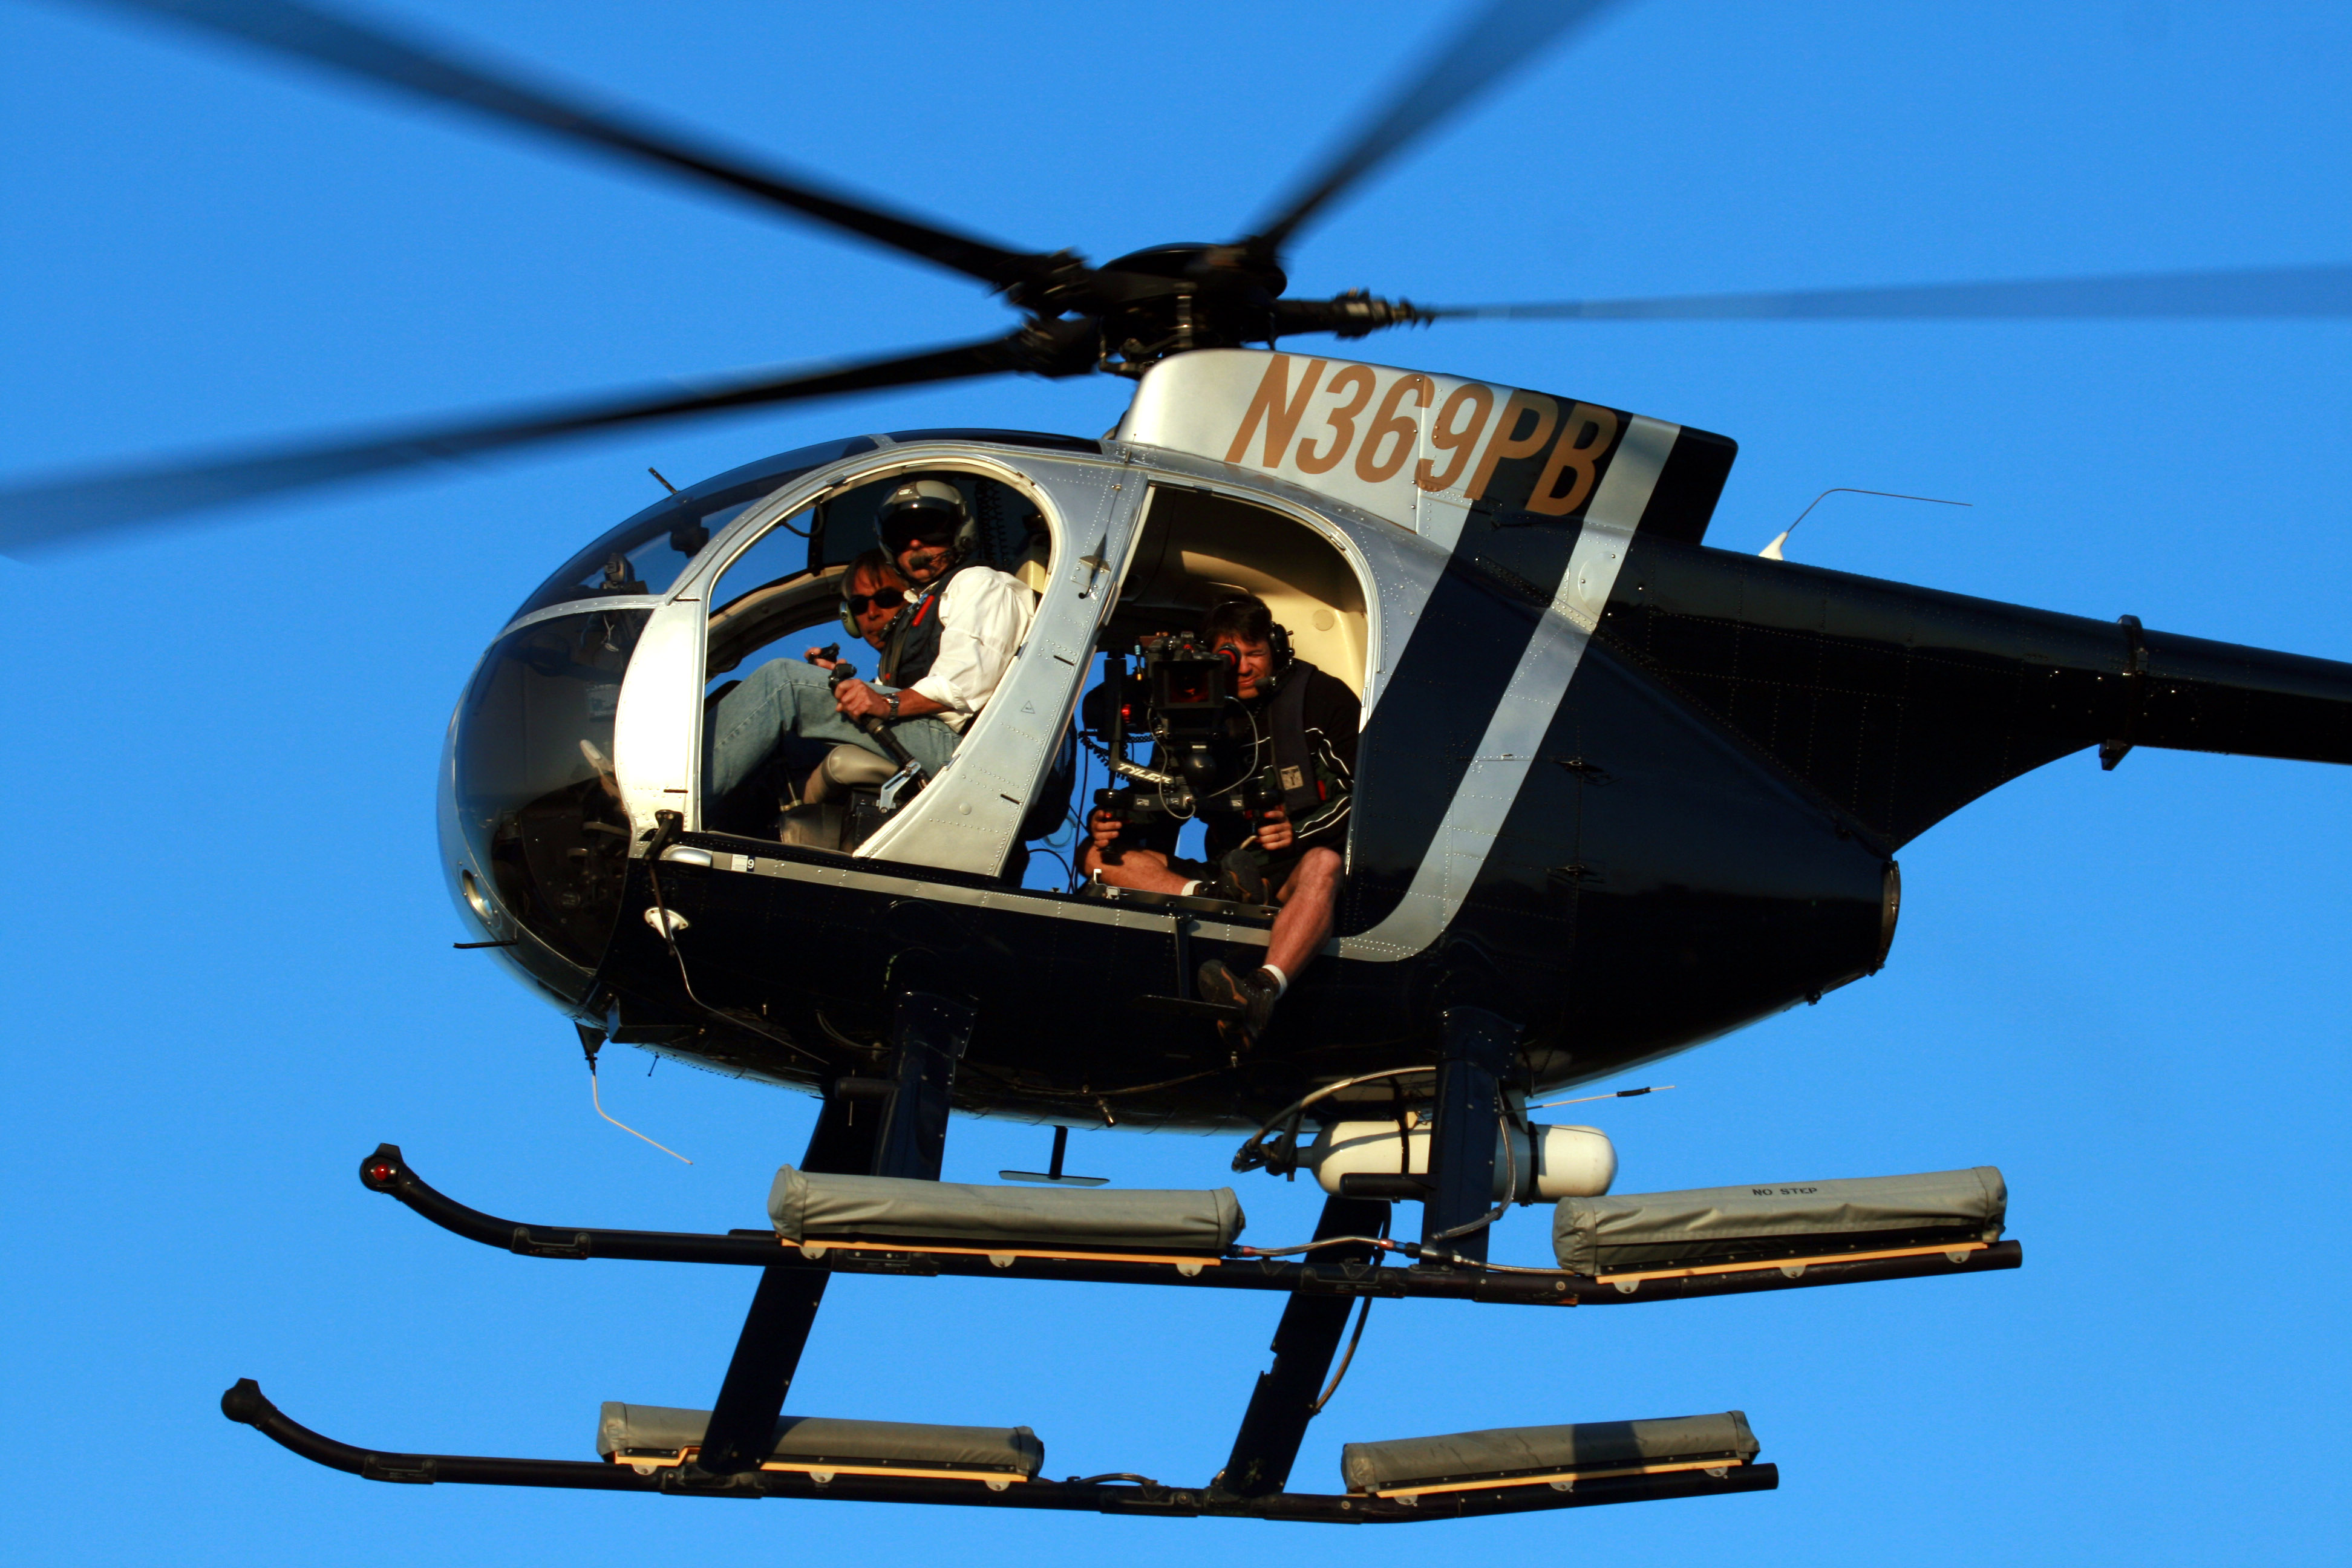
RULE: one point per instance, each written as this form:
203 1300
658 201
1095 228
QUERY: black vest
912 644
1295 766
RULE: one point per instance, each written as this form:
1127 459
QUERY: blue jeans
789 695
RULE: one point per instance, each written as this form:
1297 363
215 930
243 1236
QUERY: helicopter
1540 892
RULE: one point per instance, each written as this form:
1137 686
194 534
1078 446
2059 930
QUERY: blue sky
226 940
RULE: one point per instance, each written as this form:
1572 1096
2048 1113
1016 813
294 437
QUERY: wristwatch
893 705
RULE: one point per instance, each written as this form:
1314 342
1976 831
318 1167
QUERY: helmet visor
923 521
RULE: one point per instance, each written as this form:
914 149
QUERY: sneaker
1241 878
1253 992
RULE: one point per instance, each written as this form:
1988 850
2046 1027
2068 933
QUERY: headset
1277 643
849 614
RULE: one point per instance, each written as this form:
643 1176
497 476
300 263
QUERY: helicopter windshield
651 550
536 796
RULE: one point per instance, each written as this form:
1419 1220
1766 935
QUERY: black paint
1702 840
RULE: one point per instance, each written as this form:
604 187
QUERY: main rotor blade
51 513
1503 36
2244 292
327 39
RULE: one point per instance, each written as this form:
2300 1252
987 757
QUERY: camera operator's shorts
1275 868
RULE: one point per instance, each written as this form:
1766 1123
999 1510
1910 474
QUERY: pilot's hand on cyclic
859 700
1274 834
1103 828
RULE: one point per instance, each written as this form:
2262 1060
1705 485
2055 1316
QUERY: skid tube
1119 1495
387 1171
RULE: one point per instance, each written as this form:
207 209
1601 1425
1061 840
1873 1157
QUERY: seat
1032 568
812 826
847 767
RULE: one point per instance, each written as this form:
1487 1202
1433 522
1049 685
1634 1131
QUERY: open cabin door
1197 547
1110 552
970 816
1059 527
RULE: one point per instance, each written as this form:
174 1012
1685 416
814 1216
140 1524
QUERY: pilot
947 648
1303 727
950 643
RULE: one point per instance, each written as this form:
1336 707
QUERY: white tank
1566 1162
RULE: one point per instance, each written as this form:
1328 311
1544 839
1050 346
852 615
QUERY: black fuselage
1706 838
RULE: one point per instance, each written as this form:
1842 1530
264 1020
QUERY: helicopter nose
537 839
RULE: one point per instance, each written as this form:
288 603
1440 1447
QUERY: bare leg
1305 918
1146 870
1299 928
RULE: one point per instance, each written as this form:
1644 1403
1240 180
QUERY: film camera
1181 691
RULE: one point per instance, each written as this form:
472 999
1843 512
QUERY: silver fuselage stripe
864 877
1531 702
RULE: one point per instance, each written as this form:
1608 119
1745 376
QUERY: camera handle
1116 805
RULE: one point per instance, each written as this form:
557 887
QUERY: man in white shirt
943 659
948 650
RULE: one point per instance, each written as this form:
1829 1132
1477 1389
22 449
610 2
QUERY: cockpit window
649 553
538 799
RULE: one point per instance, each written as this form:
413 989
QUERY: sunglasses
881 599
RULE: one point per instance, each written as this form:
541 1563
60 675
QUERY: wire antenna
1772 551
1587 1099
597 1100
591 1042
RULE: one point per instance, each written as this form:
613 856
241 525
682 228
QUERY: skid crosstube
1121 1495
387 1171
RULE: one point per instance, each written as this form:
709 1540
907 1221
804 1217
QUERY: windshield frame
676 516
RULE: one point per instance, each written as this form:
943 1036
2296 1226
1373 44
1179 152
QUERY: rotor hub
1172 299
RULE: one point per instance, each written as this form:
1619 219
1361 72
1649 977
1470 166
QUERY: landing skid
247 1403
387 1170
891 1122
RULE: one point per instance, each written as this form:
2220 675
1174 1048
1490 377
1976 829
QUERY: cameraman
1300 738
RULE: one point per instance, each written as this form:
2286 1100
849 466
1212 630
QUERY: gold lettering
1506 443
1268 404
1370 467
1343 422
1585 437
1462 442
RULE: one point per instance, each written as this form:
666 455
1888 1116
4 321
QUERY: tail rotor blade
2242 293
322 37
50 514
1503 36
